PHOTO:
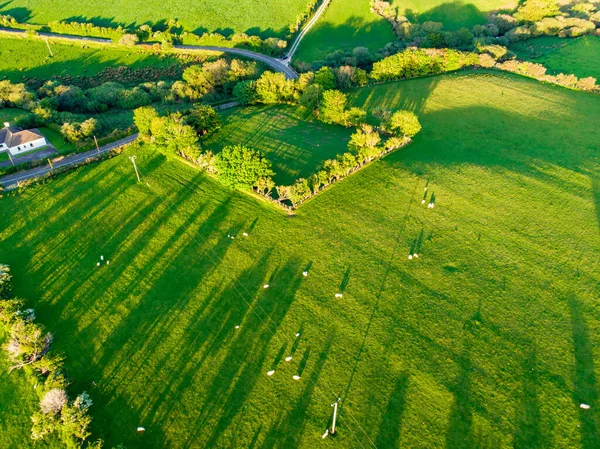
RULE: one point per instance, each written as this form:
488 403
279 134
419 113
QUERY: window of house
30 144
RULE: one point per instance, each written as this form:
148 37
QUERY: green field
579 56
57 140
30 58
488 339
294 141
267 17
346 24
453 14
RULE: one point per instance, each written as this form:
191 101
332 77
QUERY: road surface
306 29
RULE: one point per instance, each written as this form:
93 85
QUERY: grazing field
453 14
291 138
578 56
488 339
267 17
30 58
346 24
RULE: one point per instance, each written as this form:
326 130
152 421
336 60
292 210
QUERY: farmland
290 137
344 26
578 56
30 58
272 18
489 338
453 14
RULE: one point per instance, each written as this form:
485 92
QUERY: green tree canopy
243 167
404 123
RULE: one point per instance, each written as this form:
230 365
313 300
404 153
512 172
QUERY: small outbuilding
17 141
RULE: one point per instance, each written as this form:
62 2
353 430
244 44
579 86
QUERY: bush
245 92
204 119
536 10
333 107
54 401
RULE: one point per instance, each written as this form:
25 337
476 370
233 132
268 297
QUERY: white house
18 141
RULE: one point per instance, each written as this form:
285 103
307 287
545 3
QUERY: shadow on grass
452 15
585 382
528 433
390 429
460 424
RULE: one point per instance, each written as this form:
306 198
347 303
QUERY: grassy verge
578 56
488 338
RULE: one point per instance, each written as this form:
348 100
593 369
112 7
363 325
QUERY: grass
453 14
578 56
57 140
488 339
30 58
269 17
346 24
37 150
295 142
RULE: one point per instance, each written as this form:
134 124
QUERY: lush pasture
453 14
268 17
346 24
294 141
488 339
30 58
579 56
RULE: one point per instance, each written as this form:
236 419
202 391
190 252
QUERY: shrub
53 401
204 119
333 107
142 118
6 287
245 92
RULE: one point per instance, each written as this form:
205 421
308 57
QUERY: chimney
6 124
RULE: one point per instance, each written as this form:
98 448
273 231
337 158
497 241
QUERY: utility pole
50 163
49 49
335 409
97 147
135 167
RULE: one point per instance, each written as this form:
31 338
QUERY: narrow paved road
11 181
306 29
276 64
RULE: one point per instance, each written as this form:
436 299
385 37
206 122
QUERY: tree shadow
527 433
390 428
453 15
21 14
460 424
585 383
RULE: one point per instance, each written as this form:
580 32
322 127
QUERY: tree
299 191
15 95
311 97
364 142
325 78
88 127
6 287
355 116
272 88
536 10
175 136
142 118
242 167
333 107
204 119
404 123
245 92
54 401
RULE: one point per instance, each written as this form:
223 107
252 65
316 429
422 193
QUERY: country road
11 181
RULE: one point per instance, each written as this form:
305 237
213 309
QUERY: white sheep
296 377
584 406
288 358
140 429
338 295
108 262
237 327
297 334
98 264
422 201
245 234
270 373
325 434
101 257
266 286
305 273
410 257
415 255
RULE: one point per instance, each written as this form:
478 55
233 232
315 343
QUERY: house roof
13 136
